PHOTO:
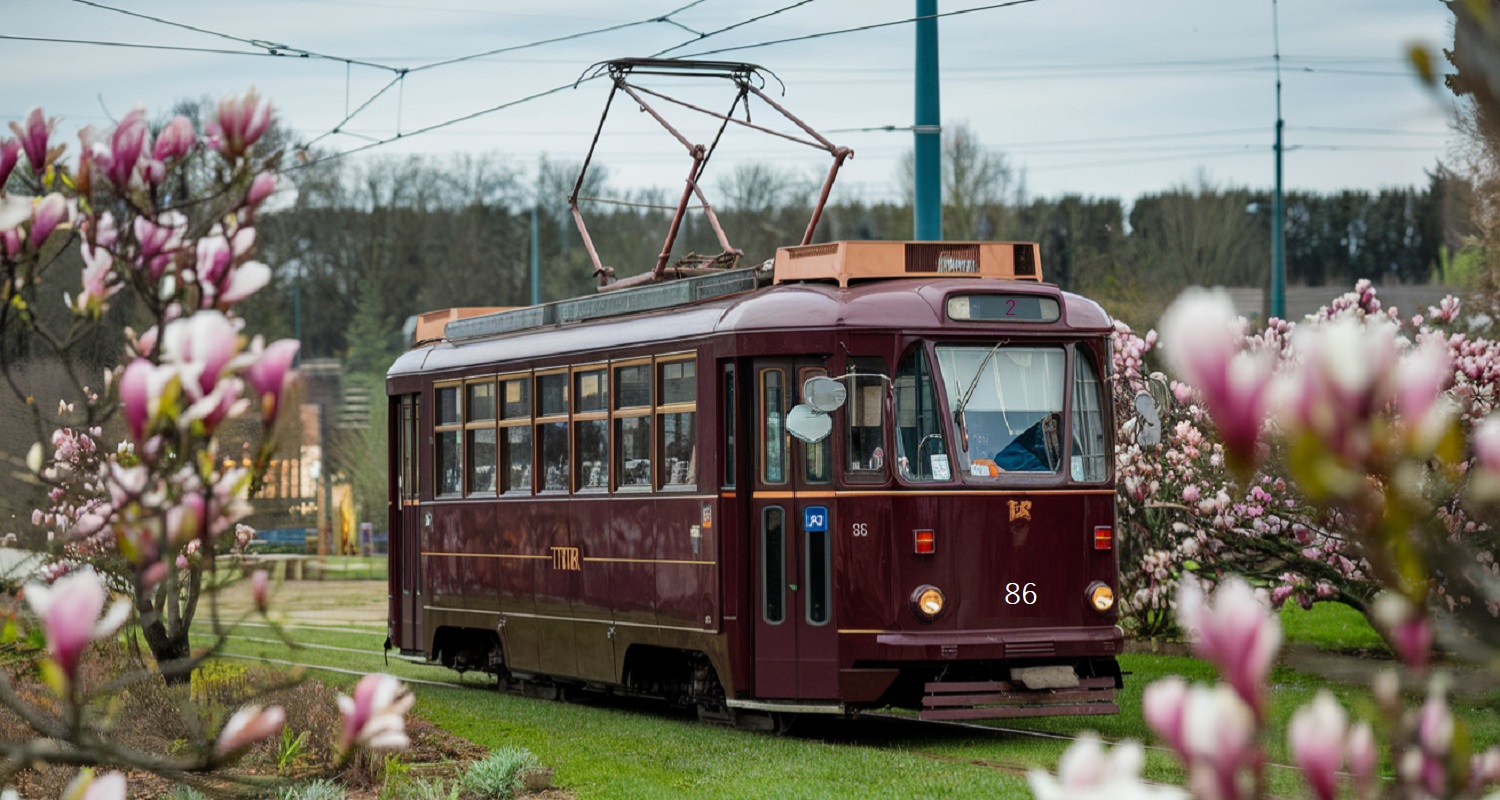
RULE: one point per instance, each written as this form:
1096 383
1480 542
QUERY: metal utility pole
1278 211
928 132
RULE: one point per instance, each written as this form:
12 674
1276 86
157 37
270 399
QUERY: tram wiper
958 413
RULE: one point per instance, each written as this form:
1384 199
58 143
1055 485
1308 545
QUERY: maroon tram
874 474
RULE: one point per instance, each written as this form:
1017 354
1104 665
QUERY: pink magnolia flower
69 613
1315 738
1486 443
33 135
125 145
1164 705
259 583
1407 627
143 388
249 725
14 211
1087 771
240 122
1363 758
49 213
1236 632
1203 342
375 717
109 786
175 140
98 282
200 347
246 279
260 188
159 240
271 374
1219 731
10 150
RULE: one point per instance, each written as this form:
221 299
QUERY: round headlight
1101 597
927 603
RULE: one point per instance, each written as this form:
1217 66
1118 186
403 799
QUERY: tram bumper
1000 644
985 674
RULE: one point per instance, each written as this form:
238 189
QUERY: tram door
407 540
796 640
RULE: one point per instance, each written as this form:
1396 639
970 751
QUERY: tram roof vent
862 260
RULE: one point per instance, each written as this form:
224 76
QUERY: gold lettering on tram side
1020 509
566 558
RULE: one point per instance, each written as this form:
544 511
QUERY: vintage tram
868 474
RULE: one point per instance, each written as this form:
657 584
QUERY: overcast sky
1094 97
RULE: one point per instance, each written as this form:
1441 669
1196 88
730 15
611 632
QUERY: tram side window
1090 452
922 446
817 461
552 430
729 407
447 433
591 428
479 436
772 556
676 416
865 416
515 434
633 426
773 426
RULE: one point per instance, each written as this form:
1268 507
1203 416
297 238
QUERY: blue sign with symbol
815 519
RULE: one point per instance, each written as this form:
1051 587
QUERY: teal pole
536 260
927 133
1278 210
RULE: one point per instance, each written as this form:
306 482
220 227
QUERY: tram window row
617 426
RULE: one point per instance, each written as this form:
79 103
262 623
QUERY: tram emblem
565 558
1020 509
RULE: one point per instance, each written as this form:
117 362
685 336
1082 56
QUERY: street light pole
1278 211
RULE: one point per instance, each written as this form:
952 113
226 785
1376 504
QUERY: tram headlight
927 603
1101 598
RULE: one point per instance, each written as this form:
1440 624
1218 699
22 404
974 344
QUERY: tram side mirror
808 424
824 394
1148 433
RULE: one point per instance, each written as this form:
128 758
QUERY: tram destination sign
1002 308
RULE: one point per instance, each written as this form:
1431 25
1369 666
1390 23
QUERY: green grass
615 749
1331 626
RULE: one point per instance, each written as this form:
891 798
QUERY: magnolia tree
1383 431
1325 460
166 219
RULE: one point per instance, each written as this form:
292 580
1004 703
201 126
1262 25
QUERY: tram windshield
1007 404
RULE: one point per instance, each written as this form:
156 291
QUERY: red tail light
926 542
1104 538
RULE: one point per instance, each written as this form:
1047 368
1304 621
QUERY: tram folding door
406 539
796 639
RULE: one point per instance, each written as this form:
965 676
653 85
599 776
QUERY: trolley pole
1278 210
927 210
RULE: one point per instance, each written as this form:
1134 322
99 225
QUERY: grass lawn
615 749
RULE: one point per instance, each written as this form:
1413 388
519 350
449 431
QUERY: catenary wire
273 48
860 28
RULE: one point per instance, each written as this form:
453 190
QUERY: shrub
498 775
321 789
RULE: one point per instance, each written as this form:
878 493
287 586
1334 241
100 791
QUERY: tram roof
911 305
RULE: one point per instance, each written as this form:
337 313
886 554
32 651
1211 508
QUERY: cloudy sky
1095 97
